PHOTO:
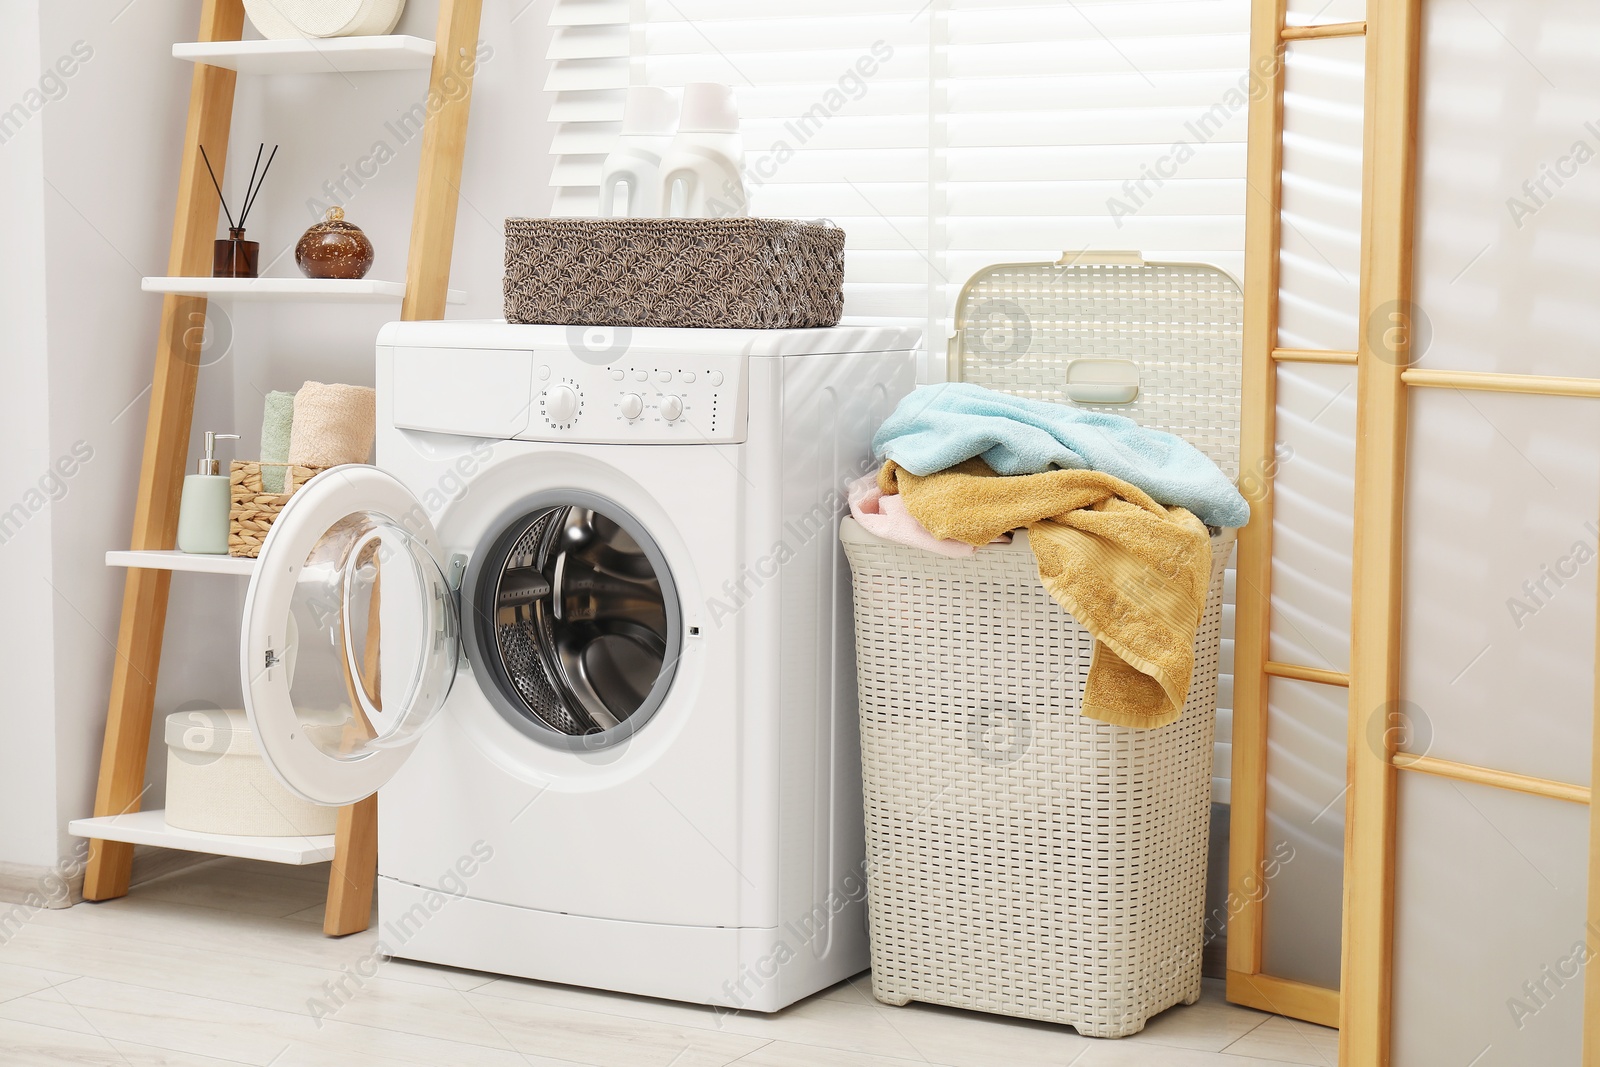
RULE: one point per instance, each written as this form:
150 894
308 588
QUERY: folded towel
939 426
277 417
1133 573
333 424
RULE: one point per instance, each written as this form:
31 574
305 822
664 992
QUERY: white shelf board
331 55
181 561
150 828
338 290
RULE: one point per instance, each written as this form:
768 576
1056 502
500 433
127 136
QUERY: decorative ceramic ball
334 248
282 20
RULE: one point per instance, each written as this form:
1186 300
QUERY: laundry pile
1116 516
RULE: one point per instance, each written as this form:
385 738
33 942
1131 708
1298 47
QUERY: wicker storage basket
1023 859
252 508
712 273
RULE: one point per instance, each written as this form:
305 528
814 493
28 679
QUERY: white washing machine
585 628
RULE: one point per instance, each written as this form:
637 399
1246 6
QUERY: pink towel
887 517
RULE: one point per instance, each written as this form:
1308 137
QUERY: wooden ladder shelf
144 605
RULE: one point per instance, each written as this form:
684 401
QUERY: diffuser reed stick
235 257
218 187
251 199
252 188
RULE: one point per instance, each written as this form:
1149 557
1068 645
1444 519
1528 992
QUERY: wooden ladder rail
166 452
121 787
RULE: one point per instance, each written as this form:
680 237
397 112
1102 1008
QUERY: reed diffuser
233 256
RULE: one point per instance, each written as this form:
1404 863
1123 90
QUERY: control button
671 408
544 374
631 406
560 404
617 375
687 376
641 375
663 376
714 377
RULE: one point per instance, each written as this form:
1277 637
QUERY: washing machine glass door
350 637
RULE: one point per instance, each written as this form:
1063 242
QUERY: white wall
87 191
111 174
28 743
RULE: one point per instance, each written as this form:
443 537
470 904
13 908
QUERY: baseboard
61 886
1214 958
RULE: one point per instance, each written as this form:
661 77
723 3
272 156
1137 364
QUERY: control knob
560 404
671 408
631 405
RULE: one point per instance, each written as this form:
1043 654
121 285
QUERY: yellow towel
1133 573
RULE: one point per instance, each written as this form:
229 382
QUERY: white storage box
1023 859
217 782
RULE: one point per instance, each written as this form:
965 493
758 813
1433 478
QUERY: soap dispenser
203 512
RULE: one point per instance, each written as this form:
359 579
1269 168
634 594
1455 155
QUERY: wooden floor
226 963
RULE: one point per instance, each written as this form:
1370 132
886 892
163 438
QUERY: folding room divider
1471 871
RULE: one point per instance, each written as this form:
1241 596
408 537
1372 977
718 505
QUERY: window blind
944 135
588 59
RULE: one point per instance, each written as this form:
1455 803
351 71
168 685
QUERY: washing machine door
351 636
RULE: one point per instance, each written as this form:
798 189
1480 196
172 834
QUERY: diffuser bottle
203 511
701 176
630 180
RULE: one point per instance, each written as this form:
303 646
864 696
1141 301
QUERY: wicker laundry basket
1023 859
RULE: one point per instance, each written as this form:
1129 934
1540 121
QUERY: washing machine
585 629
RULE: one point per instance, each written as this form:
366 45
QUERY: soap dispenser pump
203 511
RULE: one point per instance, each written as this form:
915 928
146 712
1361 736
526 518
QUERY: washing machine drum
577 623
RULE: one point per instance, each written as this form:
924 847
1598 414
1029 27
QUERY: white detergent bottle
702 175
630 179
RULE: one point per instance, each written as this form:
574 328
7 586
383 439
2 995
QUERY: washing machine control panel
569 393
638 397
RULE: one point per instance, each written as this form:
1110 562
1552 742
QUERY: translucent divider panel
1222 753
1322 12
1502 529
1489 910
1320 260
1508 188
1303 905
1312 517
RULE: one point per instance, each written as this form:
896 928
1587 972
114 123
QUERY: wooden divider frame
1385 377
1387 212
1253 665
144 606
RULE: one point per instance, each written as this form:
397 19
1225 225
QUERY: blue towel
939 426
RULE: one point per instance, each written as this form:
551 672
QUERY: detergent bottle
630 178
702 174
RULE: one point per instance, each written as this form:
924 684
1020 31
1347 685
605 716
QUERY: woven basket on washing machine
1023 859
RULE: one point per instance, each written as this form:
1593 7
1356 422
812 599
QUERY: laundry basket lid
1160 343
